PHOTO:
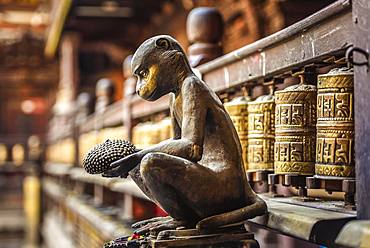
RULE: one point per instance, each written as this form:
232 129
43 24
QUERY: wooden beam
56 27
324 33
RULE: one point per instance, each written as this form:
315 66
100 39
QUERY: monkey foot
157 226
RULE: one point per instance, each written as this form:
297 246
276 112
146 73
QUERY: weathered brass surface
303 221
18 154
238 111
295 130
355 233
31 204
261 133
335 124
3 153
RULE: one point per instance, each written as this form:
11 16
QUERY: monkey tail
259 207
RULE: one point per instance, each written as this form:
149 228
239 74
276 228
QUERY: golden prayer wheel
238 111
3 153
261 133
18 154
335 124
165 130
295 120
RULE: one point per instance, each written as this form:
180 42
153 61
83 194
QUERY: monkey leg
186 190
136 176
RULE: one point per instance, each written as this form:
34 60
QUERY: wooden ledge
325 33
306 222
53 190
128 186
79 174
57 169
108 227
12 221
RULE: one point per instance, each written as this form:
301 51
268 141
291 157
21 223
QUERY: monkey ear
163 43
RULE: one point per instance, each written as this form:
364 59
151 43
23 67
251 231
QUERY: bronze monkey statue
197 177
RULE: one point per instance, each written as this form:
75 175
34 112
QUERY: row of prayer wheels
302 129
16 155
63 151
88 140
149 133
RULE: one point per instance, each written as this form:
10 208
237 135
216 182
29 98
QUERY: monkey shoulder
193 86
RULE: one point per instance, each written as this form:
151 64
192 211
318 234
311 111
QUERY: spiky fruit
99 158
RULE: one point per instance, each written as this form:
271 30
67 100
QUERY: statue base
231 237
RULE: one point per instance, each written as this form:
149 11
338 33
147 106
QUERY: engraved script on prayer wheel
238 111
261 133
295 130
335 124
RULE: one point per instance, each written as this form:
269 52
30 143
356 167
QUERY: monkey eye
144 73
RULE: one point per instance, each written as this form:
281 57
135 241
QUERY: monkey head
159 64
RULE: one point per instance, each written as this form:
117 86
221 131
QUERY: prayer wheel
238 111
3 153
261 133
295 120
335 124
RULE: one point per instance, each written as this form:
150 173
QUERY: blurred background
64 86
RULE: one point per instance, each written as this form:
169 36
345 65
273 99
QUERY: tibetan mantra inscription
295 130
238 111
335 124
261 133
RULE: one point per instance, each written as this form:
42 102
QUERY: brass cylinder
238 111
261 133
335 124
295 120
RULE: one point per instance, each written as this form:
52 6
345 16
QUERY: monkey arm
194 111
190 143
174 124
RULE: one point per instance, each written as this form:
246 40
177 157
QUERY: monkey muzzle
147 93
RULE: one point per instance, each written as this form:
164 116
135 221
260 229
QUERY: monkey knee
150 165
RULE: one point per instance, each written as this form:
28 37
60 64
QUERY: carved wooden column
104 92
69 74
204 28
129 92
84 107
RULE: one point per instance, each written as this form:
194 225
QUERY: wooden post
69 73
68 82
204 28
361 19
129 91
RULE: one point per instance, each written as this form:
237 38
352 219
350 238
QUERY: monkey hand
123 166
